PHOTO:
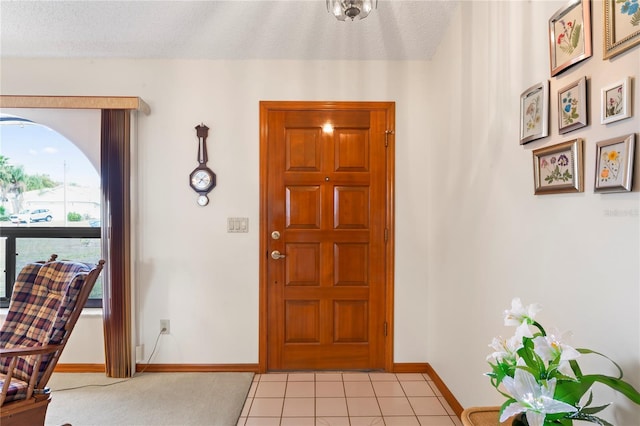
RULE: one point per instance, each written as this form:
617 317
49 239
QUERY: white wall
189 269
489 238
470 234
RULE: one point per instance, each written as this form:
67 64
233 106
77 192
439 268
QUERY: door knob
276 255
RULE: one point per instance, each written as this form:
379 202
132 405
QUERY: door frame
389 107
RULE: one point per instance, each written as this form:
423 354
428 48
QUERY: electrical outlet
164 326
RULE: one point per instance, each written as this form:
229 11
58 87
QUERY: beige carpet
148 399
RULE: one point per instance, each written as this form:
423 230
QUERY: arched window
49 200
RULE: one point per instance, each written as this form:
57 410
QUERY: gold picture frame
559 168
621 28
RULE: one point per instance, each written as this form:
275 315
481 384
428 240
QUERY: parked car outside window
28 216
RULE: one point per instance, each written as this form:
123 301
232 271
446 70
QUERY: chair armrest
24 351
14 354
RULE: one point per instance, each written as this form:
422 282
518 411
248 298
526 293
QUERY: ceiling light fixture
343 9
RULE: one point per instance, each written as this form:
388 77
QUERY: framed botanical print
621 26
570 35
615 101
572 106
534 112
558 168
614 164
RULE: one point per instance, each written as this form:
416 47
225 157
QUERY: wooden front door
326 251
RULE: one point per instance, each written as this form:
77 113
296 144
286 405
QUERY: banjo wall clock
202 179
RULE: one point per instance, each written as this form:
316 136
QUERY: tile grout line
350 418
413 410
375 394
346 401
284 399
315 400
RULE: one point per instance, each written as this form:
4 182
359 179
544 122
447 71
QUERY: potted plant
538 373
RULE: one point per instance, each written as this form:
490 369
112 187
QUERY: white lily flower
532 398
553 344
506 349
519 314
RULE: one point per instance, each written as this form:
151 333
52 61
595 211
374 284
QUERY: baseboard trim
197 368
411 367
80 368
425 367
444 390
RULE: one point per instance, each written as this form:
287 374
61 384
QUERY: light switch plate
238 224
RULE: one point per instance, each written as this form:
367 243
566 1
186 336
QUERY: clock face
201 180
203 200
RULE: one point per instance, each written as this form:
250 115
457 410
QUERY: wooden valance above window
75 102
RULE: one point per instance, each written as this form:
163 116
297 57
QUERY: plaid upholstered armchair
46 302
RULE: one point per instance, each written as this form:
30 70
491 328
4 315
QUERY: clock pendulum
202 179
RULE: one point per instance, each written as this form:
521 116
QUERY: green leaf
589 351
534 364
575 36
616 384
575 367
593 410
635 19
500 371
567 49
590 400
571 392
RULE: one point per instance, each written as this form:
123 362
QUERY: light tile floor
345 399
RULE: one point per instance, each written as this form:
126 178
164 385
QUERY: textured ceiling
236 29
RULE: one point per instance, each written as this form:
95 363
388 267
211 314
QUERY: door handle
276 255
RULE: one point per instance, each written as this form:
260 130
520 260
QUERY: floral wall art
534 112
615 99
613 105
614 164
572 106
558 168
621 26
570 35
